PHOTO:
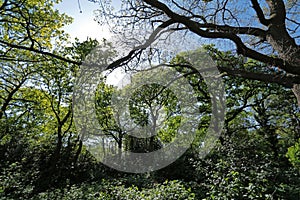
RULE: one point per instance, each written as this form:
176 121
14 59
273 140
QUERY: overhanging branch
236 30
241 47
285 80
137 50
15 46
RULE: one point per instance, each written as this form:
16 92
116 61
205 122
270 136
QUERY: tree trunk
281 40
296 90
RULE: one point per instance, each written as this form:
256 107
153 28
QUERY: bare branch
260 13
236 30
241 47
136 51
284 80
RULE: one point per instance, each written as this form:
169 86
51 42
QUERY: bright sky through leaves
84 24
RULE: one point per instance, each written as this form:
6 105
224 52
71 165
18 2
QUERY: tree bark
281 41
296 90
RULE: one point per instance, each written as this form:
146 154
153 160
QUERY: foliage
42 156
114 190
294 154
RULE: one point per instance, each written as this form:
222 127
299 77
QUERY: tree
152 109
249 160
14 75
32 27
109 125
263 31
37 134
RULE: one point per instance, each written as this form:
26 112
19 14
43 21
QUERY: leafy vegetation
257 155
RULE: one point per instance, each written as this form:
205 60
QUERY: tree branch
3 5
137 50
236 30
285 80
260 13
277 11
15 46
241 47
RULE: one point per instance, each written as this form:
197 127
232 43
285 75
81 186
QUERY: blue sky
83 24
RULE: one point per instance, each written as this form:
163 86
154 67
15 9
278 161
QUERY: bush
107 190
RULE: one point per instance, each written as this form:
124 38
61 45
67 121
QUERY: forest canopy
255 49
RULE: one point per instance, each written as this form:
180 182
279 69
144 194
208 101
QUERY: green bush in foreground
107 190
